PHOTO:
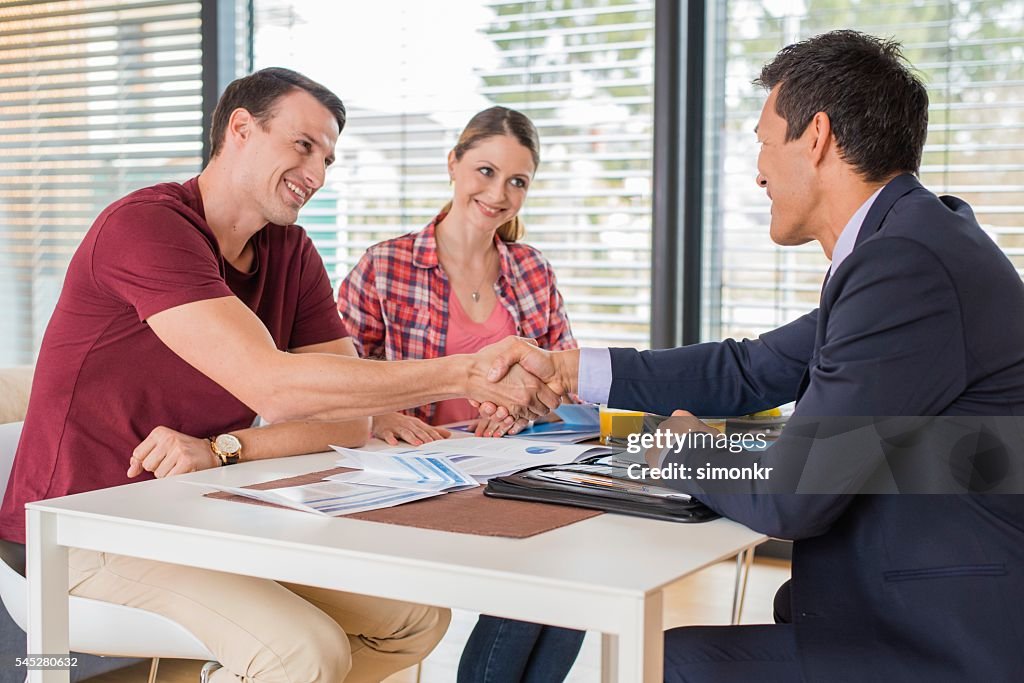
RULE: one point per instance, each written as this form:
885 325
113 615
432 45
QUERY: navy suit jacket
924 318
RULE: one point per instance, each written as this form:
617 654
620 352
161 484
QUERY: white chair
94 626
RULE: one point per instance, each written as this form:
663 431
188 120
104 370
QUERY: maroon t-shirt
103 380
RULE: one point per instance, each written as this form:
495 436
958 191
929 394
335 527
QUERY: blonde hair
500 121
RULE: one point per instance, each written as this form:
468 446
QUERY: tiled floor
704 598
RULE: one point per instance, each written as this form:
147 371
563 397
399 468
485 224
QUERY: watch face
228 443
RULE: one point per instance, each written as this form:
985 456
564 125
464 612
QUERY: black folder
601 483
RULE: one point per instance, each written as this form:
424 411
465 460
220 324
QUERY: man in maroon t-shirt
187 310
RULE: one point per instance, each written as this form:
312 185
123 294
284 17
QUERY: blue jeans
508 651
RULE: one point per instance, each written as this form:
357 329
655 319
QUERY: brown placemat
464 512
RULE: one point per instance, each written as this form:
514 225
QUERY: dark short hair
258 92
877 105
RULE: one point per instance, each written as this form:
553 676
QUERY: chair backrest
95 626
10 433
11 581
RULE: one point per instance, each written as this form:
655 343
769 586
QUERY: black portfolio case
599 483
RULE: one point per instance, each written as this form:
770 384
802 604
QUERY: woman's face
491 181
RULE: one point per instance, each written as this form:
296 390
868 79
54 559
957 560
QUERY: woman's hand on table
497 428
392 427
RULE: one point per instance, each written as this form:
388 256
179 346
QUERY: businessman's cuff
595 375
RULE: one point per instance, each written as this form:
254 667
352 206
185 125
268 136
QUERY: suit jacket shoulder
925 277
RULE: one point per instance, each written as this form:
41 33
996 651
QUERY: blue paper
579 414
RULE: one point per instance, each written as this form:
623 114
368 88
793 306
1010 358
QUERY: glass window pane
96 100
971 55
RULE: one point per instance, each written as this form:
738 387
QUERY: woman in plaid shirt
457 285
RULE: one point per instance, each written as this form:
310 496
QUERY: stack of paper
410 469
383 480
329 497
392 476
483 458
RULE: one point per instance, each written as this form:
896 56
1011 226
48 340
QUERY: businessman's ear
820 138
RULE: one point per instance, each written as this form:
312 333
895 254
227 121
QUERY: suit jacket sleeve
719 378
893 345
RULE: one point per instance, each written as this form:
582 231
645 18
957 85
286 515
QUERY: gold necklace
475 293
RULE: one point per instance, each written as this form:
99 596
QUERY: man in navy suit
921 314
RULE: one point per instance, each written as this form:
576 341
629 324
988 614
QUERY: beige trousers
263 631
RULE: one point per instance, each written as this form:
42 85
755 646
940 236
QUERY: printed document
415 469
482 458
329 498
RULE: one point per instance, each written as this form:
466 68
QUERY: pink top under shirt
466 336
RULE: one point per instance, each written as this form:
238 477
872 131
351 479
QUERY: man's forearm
328 387
283 386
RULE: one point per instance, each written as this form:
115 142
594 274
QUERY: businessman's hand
557 369
681 422
515 392
165 452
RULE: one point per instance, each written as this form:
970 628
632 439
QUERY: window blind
971 55
97 98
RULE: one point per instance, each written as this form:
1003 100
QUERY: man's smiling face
785 172
286 156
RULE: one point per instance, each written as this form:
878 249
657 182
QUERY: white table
604 574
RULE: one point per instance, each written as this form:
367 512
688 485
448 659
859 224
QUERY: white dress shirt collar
848 237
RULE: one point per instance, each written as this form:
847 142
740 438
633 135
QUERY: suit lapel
805 379
887 198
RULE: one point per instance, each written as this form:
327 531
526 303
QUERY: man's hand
681 422
514 391
557 369
394 426
165 452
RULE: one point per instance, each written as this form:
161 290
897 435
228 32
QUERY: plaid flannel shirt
394 303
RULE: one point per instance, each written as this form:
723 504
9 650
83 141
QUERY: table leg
47 578
743 561
635 655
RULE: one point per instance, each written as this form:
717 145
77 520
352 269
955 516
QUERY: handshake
515 381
